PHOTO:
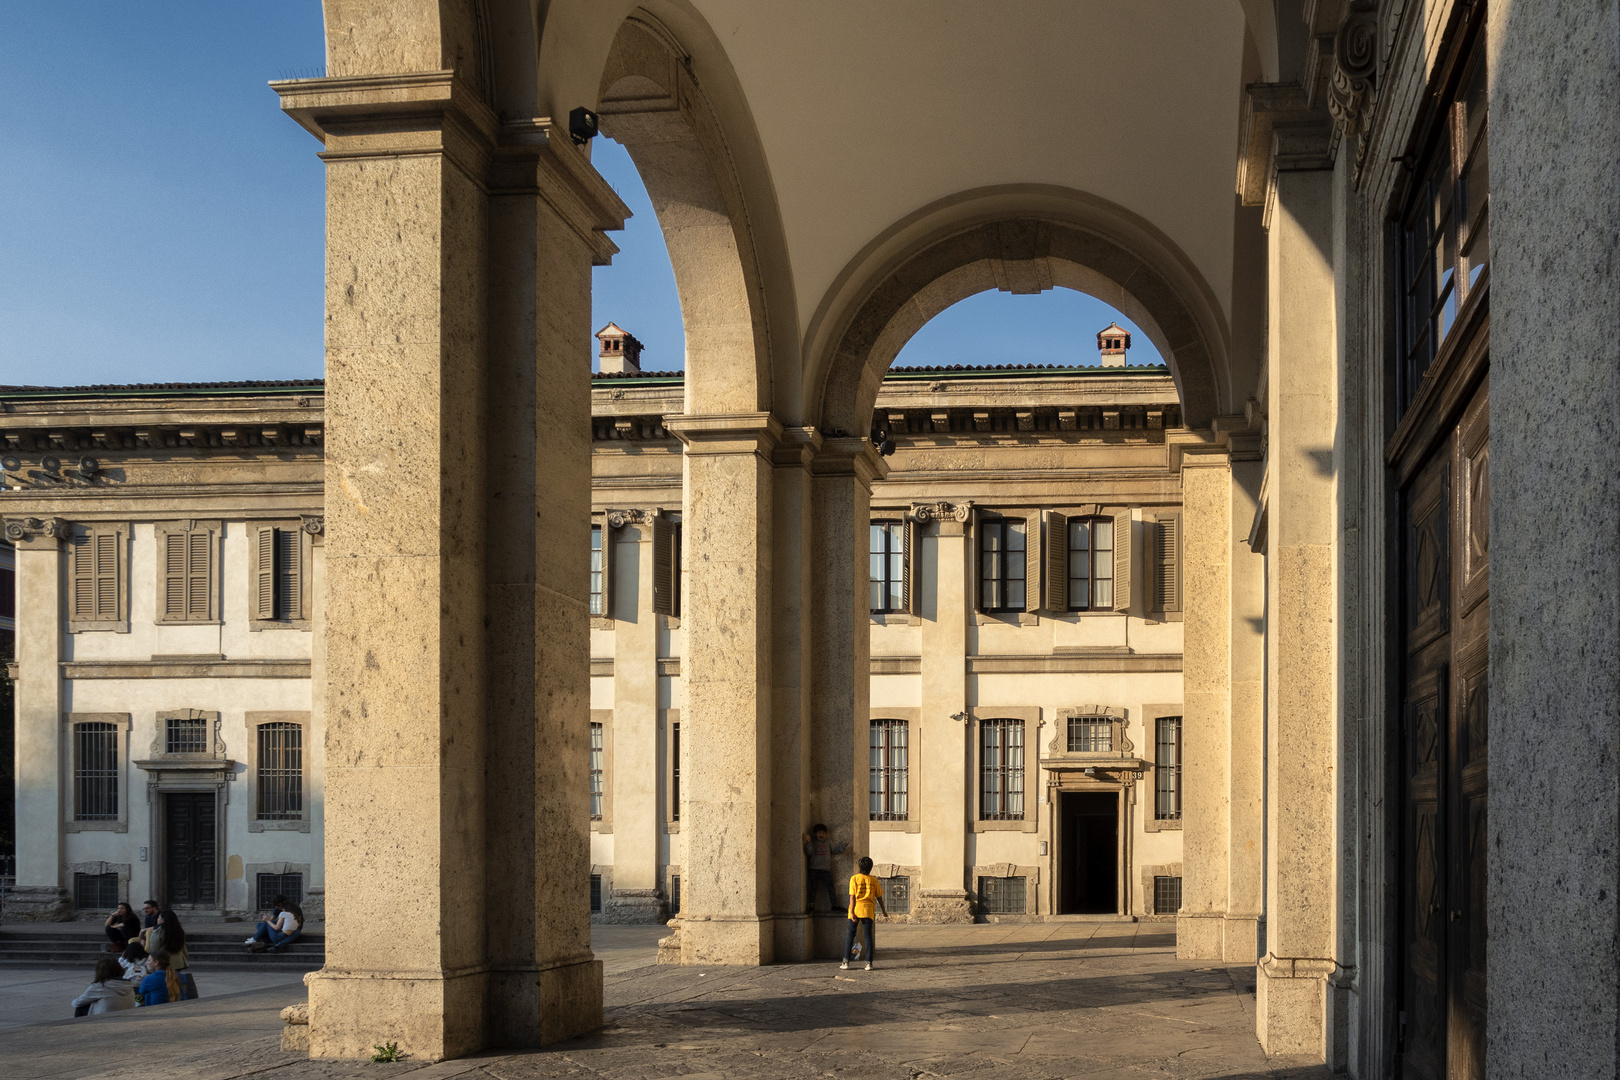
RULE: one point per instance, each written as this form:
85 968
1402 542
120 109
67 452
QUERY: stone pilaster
1296 996
726 611
947 563
39 894
637 820
1246 795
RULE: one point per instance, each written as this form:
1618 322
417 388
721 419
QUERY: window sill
895 618
600 826
601 622
97 826
188 622
672 827
1155 825
278 826
116 626
256 625
1007 618
895 826
1027 825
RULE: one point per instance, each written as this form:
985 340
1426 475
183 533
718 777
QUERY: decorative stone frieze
26 441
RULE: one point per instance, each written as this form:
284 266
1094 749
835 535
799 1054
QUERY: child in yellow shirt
865 895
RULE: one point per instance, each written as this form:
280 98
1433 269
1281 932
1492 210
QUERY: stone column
841 649
637 821
1207 529
315 744
1246 796
41 616
1293 1003
1552 903
947 562
726 731
456 626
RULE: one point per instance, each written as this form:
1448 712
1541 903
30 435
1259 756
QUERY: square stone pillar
1246 720
39 894
456 642
947 561
1293 1003
1552 904
841 650
726 730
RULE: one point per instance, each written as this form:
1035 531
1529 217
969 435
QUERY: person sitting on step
163 984
276 929
122 927
109 992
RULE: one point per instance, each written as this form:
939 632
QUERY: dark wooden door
1445 603
189 849
1090 872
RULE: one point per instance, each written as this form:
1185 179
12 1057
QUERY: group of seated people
153 968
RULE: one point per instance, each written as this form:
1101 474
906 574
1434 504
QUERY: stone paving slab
980 1002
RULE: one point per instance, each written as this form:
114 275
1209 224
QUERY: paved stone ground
1103 1002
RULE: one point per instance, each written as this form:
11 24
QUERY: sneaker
868 967
250 941
844 966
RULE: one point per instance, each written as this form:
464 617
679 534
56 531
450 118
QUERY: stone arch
1023 240
651 102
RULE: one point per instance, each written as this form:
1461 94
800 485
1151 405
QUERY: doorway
1088 871
189 849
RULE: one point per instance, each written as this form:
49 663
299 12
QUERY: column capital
33 532
846 455
798 448
1282 130
727 433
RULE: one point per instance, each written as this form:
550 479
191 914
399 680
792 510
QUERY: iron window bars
1001 796
95 892
186 735
271 886
596 773
1167 769
888 771
1090 734
95 772
281 772
1001 895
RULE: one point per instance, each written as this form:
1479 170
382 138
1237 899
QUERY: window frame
1003 524
670 726
1151 715
902 587
253 721
288 619
288 783
88 533
600 539
1001 808
119 822
884 775
1092 550
603 824
213 531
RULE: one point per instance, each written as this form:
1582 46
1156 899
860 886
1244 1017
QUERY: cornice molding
247 435
726 433
1280 132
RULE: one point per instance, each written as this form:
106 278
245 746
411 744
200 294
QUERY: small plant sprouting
387 1052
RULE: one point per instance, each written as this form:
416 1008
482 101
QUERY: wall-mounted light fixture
959 715
583 125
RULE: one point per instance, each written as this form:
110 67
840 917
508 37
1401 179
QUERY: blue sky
164 221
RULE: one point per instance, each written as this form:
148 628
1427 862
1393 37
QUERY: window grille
1167 769
281 772
1002 567
1091 734
1002 754
597 554
596 894
596 772
186 735
675 894
897 895
95 892
887 566
888 770
675 773
1166 895
95 772
1091 564
1001 895
271 886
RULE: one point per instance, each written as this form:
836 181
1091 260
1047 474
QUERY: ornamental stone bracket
1351 91
618 519
923 513
314 524
36 532
1280 132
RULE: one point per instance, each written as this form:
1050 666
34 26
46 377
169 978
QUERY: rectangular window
675 773
666 583
675 894
1001 796
95 772
888 567
97 593
1091 564
1090 734
186 735
278 574
596 894
270 886
598 596
281 772
1167 769
187 575
1166 895
596 772
1001 895
1444 243
888 771
1002 555
95 892
897 895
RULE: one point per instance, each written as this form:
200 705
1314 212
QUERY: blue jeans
275 937
849 941
822 879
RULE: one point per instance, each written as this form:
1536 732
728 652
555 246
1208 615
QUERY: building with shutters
1020 748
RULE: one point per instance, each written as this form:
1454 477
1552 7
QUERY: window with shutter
264 573
1122 561
1003 564
1090 571
280 577
886 558
664 565
186 589
911 586
1167 565
98 568
1057 562
1032 562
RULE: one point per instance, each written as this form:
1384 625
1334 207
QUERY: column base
632 907
941 906
745 941
1231 939
38 903
539 1006
794 938
1291 1005
669 948
431 1015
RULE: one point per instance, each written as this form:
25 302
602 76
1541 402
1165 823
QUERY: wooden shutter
290 573
1032 562
1167 565
199 575
607 568
910 588
1057 562
175 577
84 578
1122 561
663 557
106 545
264 573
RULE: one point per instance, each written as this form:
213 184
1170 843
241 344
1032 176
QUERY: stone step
59 946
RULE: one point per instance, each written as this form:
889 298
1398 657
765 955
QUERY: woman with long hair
170 936
108 993
122 927
163 984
